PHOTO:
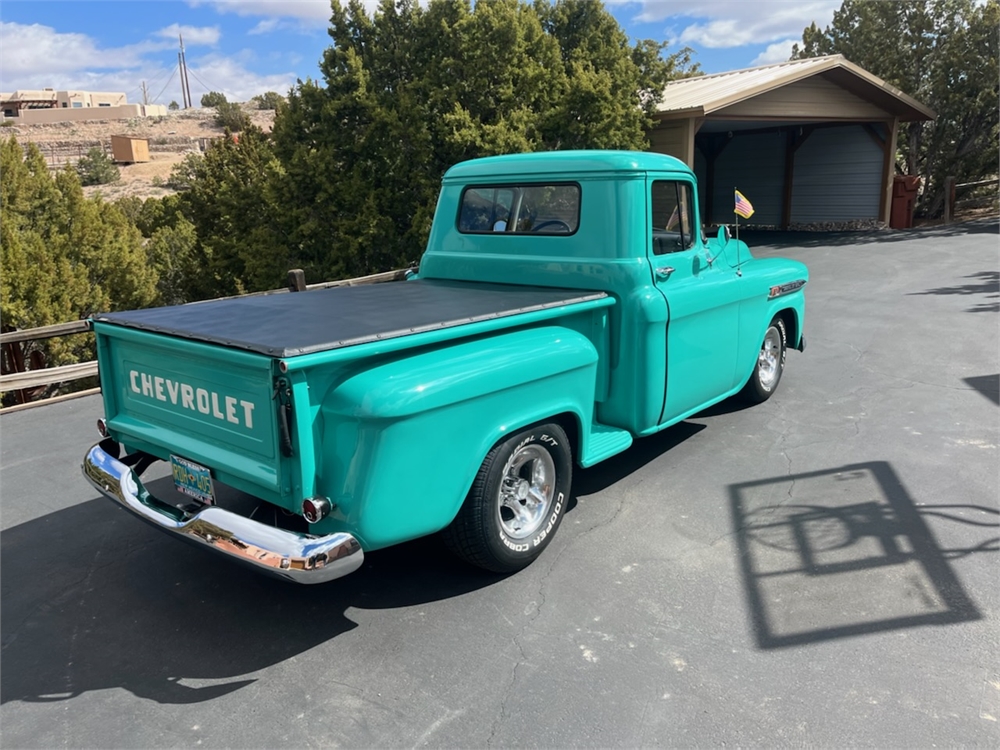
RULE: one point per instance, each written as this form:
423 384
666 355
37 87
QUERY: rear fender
403 441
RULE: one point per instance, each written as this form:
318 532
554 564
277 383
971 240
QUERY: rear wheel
516 502
770 364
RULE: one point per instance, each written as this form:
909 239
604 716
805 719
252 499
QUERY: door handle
663 273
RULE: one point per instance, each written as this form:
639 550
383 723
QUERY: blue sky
246 47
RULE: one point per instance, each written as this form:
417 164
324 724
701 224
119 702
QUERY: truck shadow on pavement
845 552
93 600
643 451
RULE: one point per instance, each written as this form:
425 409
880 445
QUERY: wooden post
949 198
296 280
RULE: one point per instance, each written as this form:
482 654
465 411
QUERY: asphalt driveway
818 570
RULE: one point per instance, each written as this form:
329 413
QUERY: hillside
170 139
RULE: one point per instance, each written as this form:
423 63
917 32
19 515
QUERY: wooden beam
296 280
375 278
888 169
792 144
48 376
45 332
53 400
786 200
949 198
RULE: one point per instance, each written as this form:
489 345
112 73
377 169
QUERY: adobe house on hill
48 105
807 141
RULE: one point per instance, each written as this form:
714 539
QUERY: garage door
837 176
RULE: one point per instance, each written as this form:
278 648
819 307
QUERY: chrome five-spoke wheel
526 491
768 361
770 364
517 501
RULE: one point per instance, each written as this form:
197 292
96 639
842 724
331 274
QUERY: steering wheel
552 223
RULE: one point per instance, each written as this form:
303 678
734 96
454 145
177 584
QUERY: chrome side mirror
724 236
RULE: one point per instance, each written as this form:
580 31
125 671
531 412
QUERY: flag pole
737 225
738 271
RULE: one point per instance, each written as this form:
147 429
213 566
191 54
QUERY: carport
808 141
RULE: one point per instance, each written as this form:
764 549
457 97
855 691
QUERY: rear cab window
520 209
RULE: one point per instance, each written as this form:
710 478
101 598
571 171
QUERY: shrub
96 168
268 100
173 106
231 116
185 172
213 99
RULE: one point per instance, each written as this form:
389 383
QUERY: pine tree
412 89
63 257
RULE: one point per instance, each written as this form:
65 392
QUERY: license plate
192 479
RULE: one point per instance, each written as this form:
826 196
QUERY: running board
603 442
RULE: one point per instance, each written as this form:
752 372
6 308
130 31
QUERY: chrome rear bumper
295 557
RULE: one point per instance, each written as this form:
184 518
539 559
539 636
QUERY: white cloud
35 56
775 53
308 14
231 76
193 35
266 26
307 10
735 23
28 50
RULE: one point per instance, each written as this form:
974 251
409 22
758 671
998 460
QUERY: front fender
773 286
404 440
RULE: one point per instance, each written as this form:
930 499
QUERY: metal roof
702 95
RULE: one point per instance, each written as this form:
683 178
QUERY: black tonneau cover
284 325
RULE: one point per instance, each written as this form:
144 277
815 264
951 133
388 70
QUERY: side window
520 209
672 217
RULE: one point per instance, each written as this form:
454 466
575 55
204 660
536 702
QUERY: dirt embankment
170 139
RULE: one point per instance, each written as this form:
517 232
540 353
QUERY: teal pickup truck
567 303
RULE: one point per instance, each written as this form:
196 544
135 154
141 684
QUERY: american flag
743 207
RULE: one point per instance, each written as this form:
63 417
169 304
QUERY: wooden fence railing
31 379
27 380
951 188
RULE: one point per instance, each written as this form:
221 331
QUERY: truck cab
628 224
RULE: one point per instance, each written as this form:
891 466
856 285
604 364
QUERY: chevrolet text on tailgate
567 303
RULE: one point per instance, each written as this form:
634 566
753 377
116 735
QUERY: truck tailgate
209 404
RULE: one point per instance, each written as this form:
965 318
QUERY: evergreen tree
213 99
63 257
412 89
97 168
229 202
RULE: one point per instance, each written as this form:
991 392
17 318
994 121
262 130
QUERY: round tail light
315 509
102 427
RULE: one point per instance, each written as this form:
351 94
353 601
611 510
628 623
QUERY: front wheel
516 502
770 364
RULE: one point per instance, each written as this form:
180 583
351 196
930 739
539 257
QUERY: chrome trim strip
286 554
782 289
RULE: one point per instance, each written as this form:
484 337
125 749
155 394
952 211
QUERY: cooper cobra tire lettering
516 502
